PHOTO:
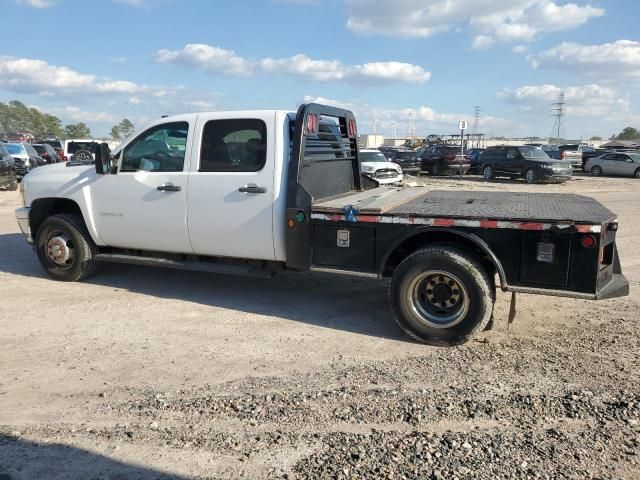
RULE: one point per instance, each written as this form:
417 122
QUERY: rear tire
65 248
596 171
441 296
637 173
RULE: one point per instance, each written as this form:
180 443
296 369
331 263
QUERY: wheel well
43 208
450 239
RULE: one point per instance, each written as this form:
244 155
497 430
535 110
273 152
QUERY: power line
559 111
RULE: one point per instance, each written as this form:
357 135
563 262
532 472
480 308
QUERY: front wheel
530 176
13 181
637 173
65 248
441 296
596 171
488 173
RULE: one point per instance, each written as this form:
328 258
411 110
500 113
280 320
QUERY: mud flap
512 311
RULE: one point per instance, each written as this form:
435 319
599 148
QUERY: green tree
122 130
77 130
628 133
596 138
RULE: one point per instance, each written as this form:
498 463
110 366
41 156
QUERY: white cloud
590 100
608 60
482 42
504 20
520 49
426 119
221 61
75 114
36 3
26 75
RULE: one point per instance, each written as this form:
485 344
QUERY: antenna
558 110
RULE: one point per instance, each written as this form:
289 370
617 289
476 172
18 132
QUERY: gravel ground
143 373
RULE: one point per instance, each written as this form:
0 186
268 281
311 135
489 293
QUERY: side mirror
103 159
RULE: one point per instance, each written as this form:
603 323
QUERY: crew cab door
144 205
231 186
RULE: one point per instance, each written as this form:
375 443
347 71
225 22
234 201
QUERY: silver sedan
614 163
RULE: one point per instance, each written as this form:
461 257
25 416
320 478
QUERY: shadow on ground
24 460
352 304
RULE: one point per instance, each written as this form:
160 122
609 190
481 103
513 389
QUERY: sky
390 61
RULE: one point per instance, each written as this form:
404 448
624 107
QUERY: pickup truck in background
259 192
576 154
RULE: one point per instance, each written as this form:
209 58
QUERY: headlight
367 169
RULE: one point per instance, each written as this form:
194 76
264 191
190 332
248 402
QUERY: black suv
528 162
405 157
8 175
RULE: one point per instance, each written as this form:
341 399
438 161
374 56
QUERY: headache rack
324 164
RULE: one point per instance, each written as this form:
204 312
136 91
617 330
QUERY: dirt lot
145 373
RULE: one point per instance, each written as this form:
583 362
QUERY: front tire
441 296
530 176
637 173
596 171
13 182
488 173
65 248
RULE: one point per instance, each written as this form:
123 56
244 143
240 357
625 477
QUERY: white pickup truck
258 192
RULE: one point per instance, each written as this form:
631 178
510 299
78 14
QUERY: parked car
57 146
434 138
551 150
405 157
442 159
614 163
530 163
375 165
474 155
82 150
25 158
8 174
47 152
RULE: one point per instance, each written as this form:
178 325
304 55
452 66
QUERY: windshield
532 152
40 149
15 148
635 156
372 157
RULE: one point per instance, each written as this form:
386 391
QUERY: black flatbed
520 206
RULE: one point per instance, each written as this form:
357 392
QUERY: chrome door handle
169 187
252 188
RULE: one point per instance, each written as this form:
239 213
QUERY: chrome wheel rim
487 173
60 250
83 157
596 171
438 299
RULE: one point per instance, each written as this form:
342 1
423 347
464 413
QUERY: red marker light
588 241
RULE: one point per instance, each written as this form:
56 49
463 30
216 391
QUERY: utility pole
476 120
558 110
395 129
375 126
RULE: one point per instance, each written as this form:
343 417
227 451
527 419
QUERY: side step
191 265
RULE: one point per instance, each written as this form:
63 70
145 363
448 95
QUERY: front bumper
22 215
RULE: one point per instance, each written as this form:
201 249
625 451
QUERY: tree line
16 117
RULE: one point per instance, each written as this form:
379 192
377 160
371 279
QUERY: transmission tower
559 111
476 121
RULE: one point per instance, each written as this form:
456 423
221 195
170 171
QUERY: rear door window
233 145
